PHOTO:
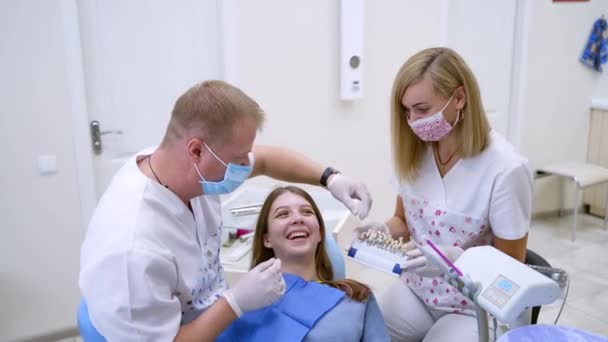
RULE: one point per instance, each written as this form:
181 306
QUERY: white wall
41 229
287 60
285 56
554 122
601 82
491 63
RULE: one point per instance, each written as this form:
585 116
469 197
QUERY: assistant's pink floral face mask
434 127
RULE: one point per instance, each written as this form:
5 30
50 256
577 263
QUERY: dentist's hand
420 264
259 287
351 193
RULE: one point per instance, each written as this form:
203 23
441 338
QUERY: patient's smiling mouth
298 234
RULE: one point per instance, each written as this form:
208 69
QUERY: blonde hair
260 253
447 71
211 109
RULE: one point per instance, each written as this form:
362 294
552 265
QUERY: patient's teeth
294 235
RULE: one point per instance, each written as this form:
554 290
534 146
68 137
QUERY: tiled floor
585 260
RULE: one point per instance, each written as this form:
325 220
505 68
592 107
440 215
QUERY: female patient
314 307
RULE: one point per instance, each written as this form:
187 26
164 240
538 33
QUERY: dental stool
536 260
86 328
558 275
583 175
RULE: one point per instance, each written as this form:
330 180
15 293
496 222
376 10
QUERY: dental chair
86 328
336 258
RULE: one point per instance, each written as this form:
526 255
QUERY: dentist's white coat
148 263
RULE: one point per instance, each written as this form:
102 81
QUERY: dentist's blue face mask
235 175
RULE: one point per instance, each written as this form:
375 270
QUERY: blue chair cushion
86 328
335 256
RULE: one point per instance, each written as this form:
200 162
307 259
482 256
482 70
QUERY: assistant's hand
420 264
260 287
353 194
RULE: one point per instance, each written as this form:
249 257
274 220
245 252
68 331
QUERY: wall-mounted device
352 18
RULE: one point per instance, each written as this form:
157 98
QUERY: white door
40 223
482 32
138 57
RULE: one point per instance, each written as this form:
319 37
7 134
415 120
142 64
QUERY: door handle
97 133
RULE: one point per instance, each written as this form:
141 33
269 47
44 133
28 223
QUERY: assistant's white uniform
148 263
486 196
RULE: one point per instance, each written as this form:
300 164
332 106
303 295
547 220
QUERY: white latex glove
353 194
378 226
420 264
259 287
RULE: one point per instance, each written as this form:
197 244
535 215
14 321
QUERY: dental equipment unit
499 285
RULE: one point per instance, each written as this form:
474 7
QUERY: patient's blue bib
290 318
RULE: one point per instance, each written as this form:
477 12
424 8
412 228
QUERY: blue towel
290 318
596 49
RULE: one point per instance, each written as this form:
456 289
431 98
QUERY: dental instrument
246 236
239 251
251 209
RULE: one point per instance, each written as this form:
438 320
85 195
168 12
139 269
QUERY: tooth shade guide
379 251
383 241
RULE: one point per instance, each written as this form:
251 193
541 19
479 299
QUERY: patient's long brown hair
353 289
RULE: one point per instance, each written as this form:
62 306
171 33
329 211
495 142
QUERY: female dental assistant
150 268
459 183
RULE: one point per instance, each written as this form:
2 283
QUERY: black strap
328 172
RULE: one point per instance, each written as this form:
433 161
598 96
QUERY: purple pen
444 258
